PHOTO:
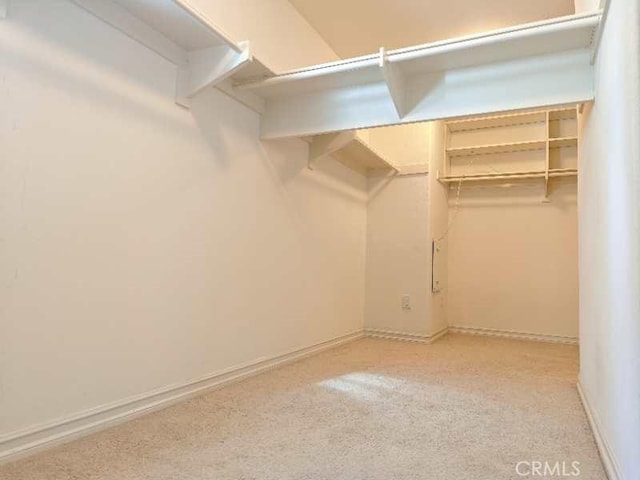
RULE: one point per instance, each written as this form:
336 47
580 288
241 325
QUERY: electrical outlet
406 302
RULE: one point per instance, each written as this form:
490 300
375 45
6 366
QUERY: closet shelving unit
539 64
545 142
543 63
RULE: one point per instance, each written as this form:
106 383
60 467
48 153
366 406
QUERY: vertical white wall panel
143 245
608 196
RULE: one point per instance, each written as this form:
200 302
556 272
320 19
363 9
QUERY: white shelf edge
313 73
353 62
503 147
502 31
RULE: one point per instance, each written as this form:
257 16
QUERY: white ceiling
359 27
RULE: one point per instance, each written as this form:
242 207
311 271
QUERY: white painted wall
144 245
510 261
403 145
399 229
360 27
586 5
513 261
398 254
280 37
438 220
512 257
609 217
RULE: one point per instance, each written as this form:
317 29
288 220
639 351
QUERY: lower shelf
558 172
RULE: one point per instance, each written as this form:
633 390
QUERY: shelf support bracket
208 67
327 144
395 81
4 9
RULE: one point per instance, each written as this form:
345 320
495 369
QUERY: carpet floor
462 408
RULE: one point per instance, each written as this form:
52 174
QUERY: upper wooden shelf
498 148
511 119
539 131
563 142
496 121
512 147
563 114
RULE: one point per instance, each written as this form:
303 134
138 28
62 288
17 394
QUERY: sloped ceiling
359 27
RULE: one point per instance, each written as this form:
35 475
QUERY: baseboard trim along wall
40 437
406 337
515 335
606 454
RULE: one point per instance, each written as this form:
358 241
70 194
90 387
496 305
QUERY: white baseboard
406 337
40 437
515 335
606 454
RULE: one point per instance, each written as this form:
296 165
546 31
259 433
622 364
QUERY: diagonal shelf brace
208 67
395 82
328 144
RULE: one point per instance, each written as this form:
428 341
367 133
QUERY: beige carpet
463 408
